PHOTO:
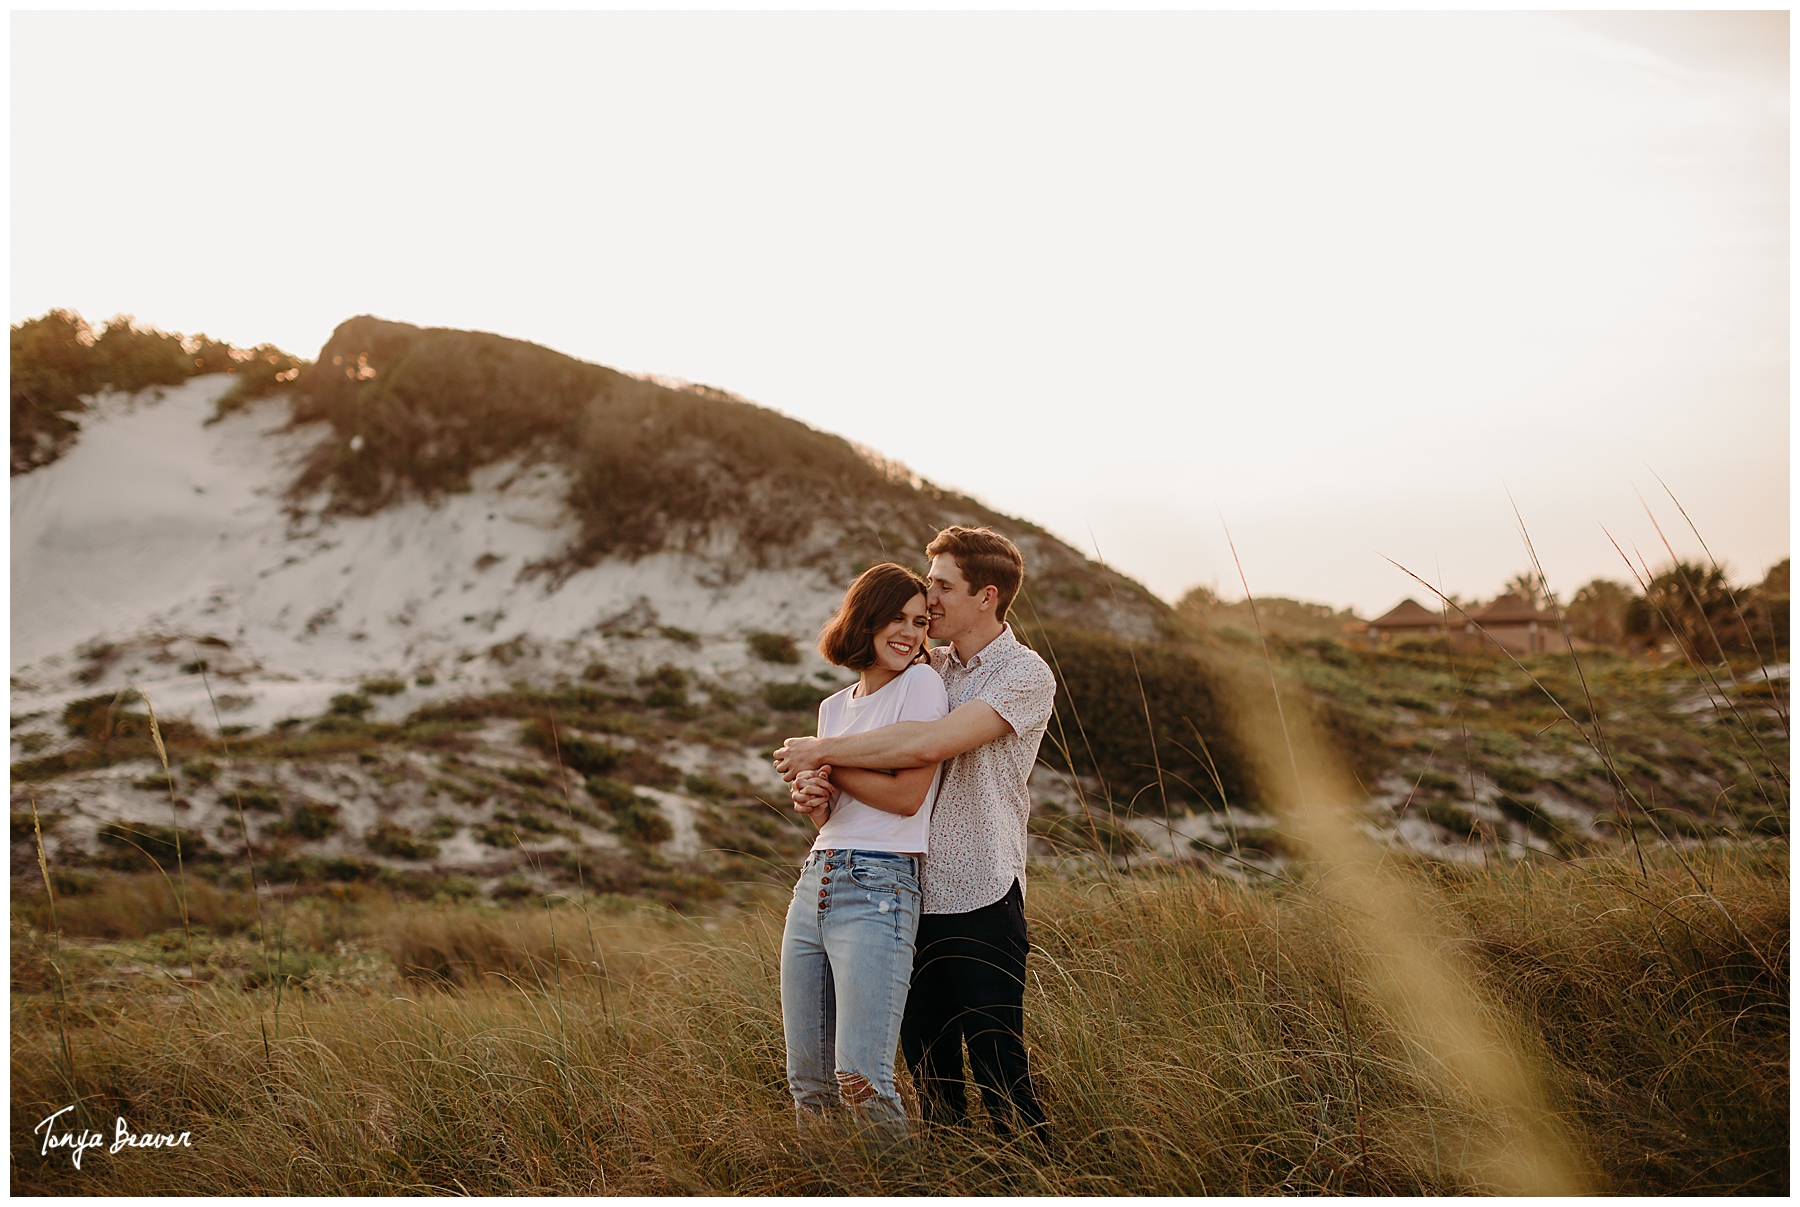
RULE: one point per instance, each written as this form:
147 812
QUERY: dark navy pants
968 986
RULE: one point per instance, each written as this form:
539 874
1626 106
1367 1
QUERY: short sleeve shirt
978 827
917 694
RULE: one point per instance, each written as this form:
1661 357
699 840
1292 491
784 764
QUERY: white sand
156 530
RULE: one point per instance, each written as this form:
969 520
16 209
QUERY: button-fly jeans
846 961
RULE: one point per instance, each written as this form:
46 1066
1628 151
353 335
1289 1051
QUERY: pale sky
1342 279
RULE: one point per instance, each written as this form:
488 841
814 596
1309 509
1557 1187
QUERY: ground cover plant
1192 1035
58 360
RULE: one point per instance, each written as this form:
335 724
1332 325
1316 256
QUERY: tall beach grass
1191 1035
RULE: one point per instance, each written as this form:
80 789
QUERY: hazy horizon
1344 279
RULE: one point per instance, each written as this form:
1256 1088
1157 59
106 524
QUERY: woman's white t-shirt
916 694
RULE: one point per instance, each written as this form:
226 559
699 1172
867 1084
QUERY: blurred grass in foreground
1191 1035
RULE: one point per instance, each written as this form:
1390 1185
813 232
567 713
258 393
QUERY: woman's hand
813 794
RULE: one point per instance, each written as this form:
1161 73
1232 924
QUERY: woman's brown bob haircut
874 599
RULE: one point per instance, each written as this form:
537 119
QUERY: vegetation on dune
1451 732
1190 1035
287 784
58 360
415 412
1150 722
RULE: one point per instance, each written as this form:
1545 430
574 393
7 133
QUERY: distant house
1406 619
1515 624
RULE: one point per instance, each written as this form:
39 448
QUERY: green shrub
642 821
315 869
531 823
344 704
1099 722
200 771
260 372
24 831
589 757
515 888
495 835
69 882
98 718
1448 814
425 679
384 687
510 828
388 838
1437 781
1514 778
309 820
1092 831
668 687
691 640
441 826
583 755
458 791
58 358
1529 812
252 795
530 777
707 786
611 793
52 367
793 697
159 842
774 647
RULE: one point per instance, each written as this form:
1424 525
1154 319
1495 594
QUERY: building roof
1408 614
1510 609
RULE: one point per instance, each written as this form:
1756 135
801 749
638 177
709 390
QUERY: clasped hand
813 794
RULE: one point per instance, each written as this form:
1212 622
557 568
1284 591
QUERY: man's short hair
985 558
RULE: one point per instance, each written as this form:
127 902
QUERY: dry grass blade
1612 768
1698 660
237 797
162 753
1186 1031
1143 698
1299 803
62 1001
1715 694
1736 607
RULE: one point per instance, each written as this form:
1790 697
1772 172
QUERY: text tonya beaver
123 1137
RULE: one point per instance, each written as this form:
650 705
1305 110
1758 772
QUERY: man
968 978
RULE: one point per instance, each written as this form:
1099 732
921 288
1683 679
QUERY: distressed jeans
846 961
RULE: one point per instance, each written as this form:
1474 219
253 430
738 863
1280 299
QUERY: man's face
953 610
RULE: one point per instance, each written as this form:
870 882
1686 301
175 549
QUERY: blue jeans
846 961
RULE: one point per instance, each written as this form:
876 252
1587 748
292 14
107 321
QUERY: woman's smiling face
899 641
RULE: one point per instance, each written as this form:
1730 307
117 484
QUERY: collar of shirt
994 646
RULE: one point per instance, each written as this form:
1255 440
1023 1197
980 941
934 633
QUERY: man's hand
796 755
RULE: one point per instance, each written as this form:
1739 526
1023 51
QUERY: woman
847 950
